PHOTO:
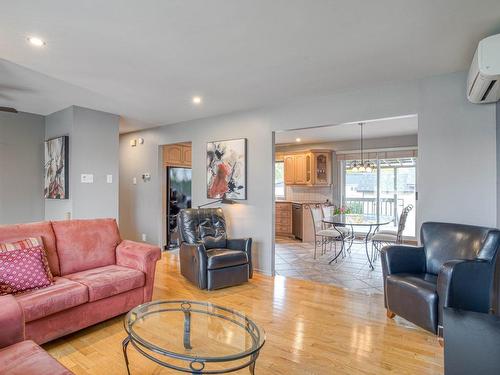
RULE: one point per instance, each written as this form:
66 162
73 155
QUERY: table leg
187 328
367 237
124 347
252 365
341 248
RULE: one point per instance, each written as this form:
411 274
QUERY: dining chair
387 237
322 234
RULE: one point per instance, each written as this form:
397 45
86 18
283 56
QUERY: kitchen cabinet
283 224
289 166
322 168
177 155
309 168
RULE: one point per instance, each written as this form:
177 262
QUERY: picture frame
56 168
226 167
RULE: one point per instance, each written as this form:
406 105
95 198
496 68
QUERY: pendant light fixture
362 165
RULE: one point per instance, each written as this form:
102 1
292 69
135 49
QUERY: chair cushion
10 233
330 233
62 295
414 297
107 281
388 231
27 358
86 244
384 237
221 258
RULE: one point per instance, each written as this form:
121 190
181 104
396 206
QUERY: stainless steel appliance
297 225
178 197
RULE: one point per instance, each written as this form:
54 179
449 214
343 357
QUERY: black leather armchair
417 280
207 257
471 331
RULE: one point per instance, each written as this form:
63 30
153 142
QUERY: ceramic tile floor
295 259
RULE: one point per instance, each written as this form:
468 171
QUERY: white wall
21 167
93 146
446 120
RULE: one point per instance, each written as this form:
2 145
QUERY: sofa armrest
11 321
142 257
243 244
466 285
403 259
193 262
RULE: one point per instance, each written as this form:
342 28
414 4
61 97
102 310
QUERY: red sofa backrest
86 244
42 229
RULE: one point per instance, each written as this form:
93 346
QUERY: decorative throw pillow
23 266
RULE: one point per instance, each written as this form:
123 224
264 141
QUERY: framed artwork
56 168
227 169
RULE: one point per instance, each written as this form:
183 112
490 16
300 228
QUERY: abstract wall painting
226 169
56 168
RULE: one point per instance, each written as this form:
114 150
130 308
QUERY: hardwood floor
311 328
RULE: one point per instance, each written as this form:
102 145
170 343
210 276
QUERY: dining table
371 222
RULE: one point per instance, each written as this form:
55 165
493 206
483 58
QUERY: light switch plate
134 180
109 178
87 178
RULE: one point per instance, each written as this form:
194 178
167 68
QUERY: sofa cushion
414 297
86 244
23 266
62 295
220 258
27 358
10 233
107 281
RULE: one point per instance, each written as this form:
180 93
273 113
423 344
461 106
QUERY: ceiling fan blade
8 109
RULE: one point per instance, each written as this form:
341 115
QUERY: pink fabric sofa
97 276
17 355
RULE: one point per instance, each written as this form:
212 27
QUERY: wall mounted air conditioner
483 83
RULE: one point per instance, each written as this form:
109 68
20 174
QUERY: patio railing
368 206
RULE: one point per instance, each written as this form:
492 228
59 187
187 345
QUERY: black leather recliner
207 257
417 280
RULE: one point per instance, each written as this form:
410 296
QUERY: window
279 179
384 191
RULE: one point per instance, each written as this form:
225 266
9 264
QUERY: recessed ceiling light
196 99
36 41
297 139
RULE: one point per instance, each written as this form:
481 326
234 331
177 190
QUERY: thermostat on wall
87 178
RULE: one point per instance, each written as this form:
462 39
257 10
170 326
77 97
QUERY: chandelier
362 165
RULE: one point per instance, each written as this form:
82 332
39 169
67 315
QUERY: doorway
313 168
178 176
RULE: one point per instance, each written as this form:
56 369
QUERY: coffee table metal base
251 364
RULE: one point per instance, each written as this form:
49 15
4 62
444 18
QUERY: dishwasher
297 220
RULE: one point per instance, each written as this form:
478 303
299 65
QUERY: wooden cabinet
177 155
283 219
311 168
322 168
289 166
300 166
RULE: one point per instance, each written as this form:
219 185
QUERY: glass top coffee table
193 337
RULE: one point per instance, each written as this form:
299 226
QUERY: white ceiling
346 132
146 59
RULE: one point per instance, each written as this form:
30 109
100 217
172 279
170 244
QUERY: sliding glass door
384 191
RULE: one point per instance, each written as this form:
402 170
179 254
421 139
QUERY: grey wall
498 165
58 124
93 144
21 167
95 151
453 134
